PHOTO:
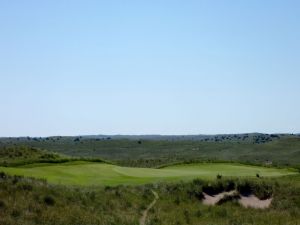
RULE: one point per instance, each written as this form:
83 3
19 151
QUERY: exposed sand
246 201
254 202
212 200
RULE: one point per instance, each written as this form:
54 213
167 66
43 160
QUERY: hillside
19 155
150 151
92 193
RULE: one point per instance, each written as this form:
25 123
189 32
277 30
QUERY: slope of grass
180 204
92 195
87 173
283 150
34 202
24 155
20 155
25 201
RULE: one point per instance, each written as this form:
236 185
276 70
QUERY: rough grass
89 174
26 201
180 204
34 202
20 155
150 153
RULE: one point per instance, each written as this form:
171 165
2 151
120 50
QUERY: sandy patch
254 202
212 200
246 201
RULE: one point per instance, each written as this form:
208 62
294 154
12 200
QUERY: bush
245 188
16 213
213 189
177 200
2 175
16 179
229 185
2 204
146 193
196 192
26 187
198 182
49 200
263 191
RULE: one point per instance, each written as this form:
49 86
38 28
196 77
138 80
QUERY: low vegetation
29 201
34 202
282 150
75 185
20 155
180 203
24 155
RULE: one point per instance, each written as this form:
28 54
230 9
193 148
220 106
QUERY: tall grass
34 202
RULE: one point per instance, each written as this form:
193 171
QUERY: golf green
89 173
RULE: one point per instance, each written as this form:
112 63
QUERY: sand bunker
213 200
254 202
246 201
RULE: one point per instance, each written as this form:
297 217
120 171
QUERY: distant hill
148 150
200 137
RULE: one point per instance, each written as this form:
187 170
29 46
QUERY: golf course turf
90 173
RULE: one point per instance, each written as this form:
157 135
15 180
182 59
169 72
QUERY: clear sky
149 67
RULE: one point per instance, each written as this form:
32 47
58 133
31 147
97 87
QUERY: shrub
26 187
196 192
177 200
213 189
118 193
2 204
15 213
92 196
263 190
49 200
198 182
16 179
2 175
229 185
146 193
107 188
245 188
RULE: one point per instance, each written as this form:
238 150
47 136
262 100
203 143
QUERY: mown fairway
87 173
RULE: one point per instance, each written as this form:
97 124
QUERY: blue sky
149 67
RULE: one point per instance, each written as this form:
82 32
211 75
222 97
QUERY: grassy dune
29 201
88 173
253 148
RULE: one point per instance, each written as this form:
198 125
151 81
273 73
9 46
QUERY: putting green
88 173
